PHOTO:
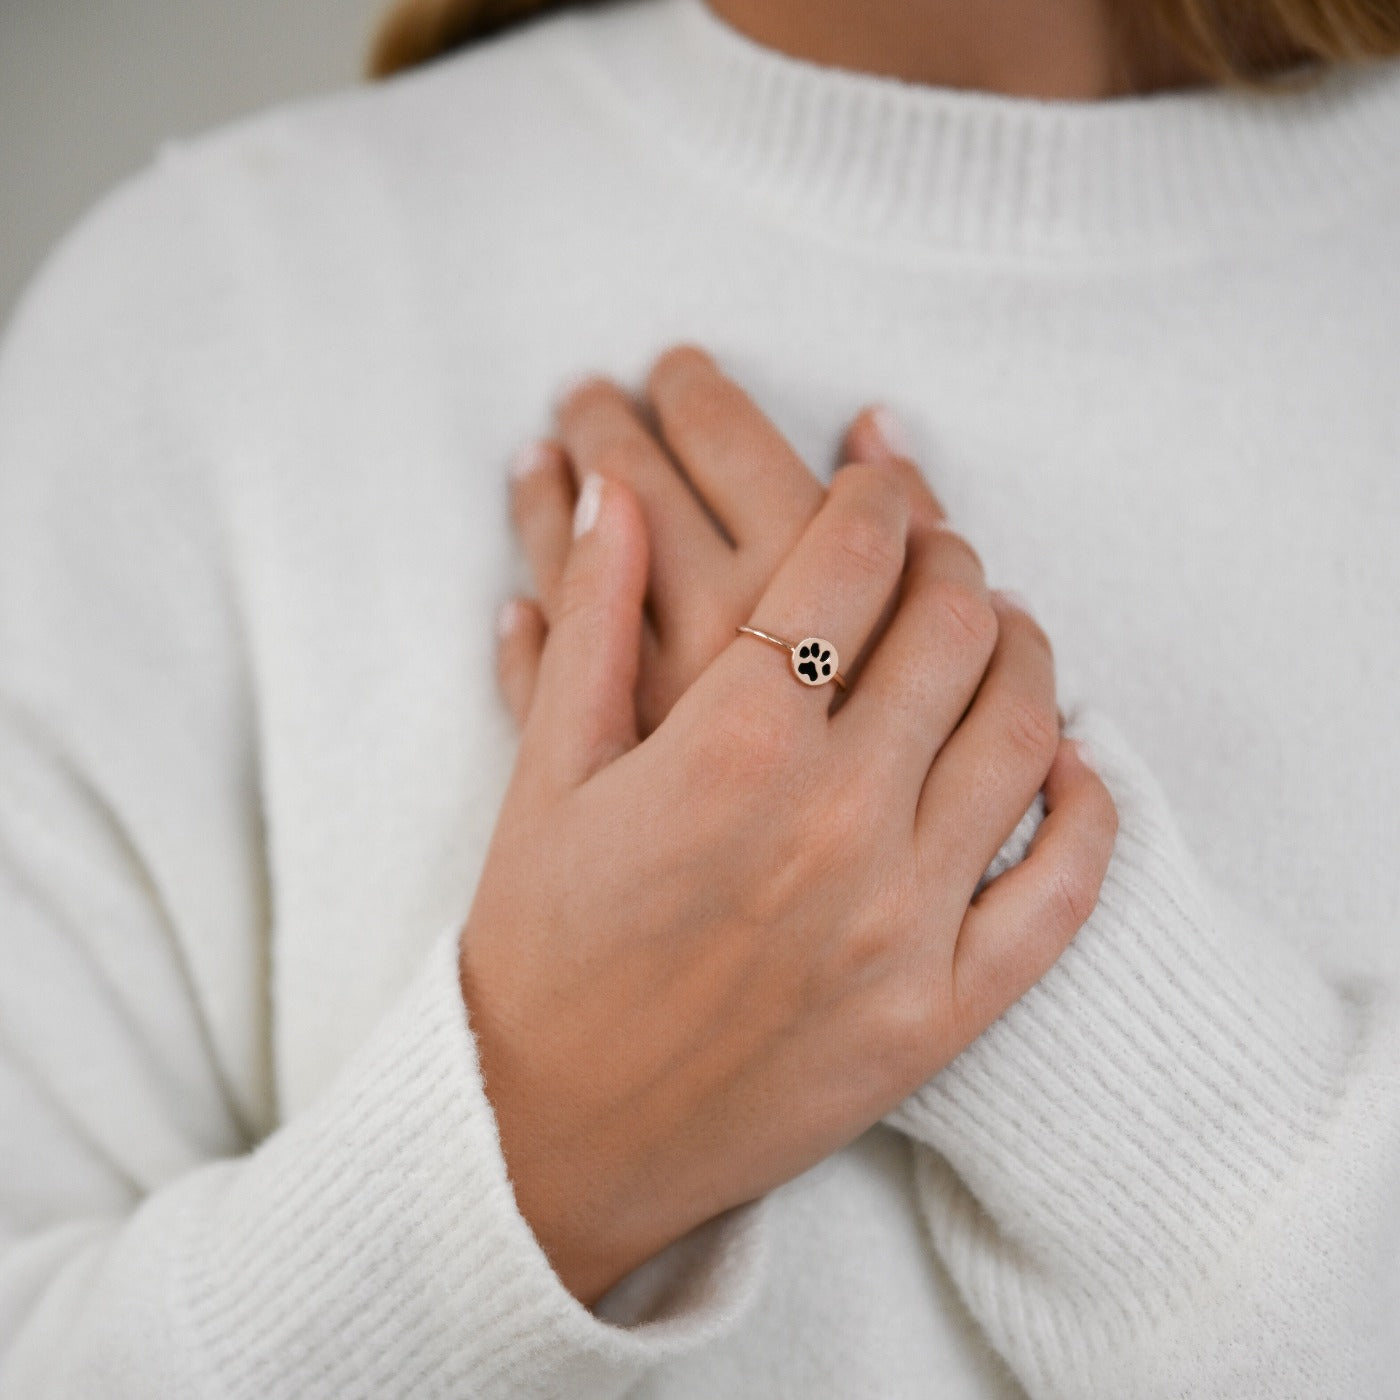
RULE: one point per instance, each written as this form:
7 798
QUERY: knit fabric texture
254 420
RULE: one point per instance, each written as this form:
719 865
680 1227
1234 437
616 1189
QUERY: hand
723 508
700 963
724 495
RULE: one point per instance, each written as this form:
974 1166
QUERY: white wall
88 89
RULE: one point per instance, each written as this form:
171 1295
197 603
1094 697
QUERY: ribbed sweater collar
881 159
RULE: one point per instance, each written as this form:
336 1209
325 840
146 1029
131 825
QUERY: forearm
370 1247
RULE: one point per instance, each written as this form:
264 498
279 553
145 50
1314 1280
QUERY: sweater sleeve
1173 1168
163 1231
369 1247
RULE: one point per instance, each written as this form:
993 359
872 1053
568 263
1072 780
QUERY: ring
814 659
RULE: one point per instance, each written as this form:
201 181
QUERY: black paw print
815 667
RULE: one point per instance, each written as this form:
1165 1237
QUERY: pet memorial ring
814 659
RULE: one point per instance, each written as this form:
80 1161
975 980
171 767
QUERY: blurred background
89 89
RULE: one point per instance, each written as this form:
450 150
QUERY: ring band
814 659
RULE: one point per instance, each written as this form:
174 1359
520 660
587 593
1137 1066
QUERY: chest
1212 569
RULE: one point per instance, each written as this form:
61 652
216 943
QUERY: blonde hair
414 31
1232 40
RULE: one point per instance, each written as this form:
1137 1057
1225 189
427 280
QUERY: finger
836 581
761 490
876 435
520 634
1024 919
994 763
542 502
584 712
925 669
603 433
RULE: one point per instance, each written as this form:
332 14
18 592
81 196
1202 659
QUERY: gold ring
814 659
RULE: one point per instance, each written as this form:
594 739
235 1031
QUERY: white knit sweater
253 422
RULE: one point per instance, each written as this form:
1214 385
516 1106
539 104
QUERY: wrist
572 1194
584 1251
1169 1069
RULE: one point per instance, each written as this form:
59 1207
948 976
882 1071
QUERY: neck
1070 50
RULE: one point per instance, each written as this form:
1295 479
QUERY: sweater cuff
1118 1130
372 1247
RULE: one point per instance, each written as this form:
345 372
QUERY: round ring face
814 661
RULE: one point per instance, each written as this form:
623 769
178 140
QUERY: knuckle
837 827
863 950
966 612
869 544
839 830
874 940
1033 729
914 1022
1074 893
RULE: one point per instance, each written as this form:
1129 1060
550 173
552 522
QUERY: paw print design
814 661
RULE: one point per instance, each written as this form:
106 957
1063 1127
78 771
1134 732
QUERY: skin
758 928
1053 49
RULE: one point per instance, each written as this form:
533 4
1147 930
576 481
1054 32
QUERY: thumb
584 712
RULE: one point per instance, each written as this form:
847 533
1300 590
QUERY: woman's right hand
698 964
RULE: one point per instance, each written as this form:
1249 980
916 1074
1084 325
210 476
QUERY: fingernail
529 458
508 619
1086 755
589 499
890 431
1019 601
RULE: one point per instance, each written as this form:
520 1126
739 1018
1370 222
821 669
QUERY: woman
252 751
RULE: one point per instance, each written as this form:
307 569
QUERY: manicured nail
1019 601
890 431
1086 755
509 617
530 458
589 499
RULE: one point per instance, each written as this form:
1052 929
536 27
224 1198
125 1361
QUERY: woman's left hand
725 499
